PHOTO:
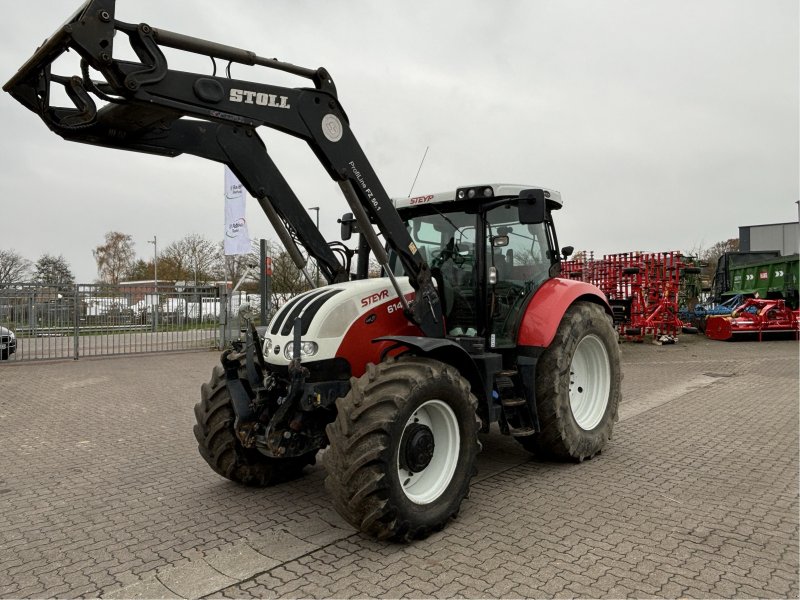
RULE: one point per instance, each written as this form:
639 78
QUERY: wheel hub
417 446
589 382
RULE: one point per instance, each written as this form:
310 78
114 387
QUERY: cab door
520 256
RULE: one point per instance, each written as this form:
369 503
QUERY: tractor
394 377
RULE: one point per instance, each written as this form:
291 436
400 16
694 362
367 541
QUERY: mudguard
548 305
448 351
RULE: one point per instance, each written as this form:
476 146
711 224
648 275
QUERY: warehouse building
783 237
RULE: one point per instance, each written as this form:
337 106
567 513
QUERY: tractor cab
489 249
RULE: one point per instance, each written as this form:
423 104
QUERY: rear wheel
402 448
222 450
577 386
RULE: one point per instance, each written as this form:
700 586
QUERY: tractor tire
4 355
402 448
222 450
577 387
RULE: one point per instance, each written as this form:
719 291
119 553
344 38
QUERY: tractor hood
330 316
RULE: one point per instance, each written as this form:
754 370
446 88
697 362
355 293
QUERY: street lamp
154 241
316 264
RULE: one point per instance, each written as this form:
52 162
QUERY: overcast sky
665 124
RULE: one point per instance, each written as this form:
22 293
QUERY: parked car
8 343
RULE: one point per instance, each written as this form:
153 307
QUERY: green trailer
770 278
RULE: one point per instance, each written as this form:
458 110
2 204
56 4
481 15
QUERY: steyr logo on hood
382 295
250 97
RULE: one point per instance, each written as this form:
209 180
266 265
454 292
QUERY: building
783 237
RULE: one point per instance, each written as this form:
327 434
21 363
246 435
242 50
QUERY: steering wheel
439 257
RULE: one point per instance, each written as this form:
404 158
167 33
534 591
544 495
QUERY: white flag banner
237 238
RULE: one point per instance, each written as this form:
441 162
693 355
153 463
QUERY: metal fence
74 321
99 320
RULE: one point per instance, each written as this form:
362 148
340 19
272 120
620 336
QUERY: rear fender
547 307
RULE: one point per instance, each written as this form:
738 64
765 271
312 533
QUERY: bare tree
115 257
374 269
192 258
13 267
286 277
233 268
173 264
709 257
201 256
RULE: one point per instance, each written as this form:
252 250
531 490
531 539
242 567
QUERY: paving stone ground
102 493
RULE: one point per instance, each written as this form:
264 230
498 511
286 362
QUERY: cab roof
483 192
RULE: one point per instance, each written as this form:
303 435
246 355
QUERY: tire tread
221 449
358 459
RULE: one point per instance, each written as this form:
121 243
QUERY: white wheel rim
430 483
589 382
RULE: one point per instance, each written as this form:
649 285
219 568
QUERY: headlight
265 347
306 349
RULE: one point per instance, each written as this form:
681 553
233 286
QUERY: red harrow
644 289
755 316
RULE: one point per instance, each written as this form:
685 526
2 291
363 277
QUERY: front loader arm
151 108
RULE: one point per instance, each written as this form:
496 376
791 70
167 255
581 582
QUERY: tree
580 256
233 268
286 277
53 270
192 258
13 267
201 256
374 269
172 264
140 270
720 248
709 257
115 257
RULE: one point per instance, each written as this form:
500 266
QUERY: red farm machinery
754 295
646 290
755 317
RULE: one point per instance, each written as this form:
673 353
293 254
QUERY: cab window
521 256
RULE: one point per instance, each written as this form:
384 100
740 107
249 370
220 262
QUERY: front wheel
577 386
220 447
402 448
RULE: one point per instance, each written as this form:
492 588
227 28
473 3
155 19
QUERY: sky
665 124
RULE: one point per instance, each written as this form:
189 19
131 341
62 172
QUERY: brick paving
102 493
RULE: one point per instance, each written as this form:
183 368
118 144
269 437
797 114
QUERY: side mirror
531 207
499 241
567 251
348 222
